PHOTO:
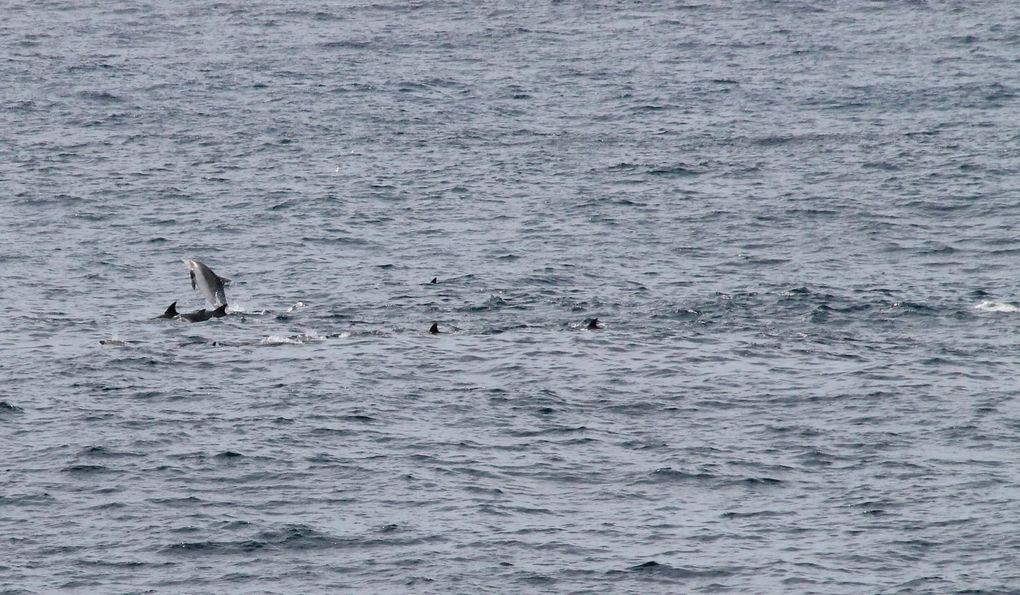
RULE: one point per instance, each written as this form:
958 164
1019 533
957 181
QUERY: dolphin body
208 282
196 316
203 314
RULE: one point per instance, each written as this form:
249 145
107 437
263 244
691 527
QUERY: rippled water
795 222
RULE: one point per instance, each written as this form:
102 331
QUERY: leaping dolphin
208 282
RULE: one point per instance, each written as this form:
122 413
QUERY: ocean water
794 220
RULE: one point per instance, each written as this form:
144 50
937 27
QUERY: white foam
993 306
244 308
280 340
313 336
306 337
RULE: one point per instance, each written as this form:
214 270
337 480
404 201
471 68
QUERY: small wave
100 96
116 342
87 469
495 302
359 418
676 572
670 475
679 313
344 44
6 407
994 306
755 514
504 329
208 548
914 307
300 537
547 431
102 451
675 170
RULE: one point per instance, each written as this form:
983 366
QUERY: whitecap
306 337
993 306
280 340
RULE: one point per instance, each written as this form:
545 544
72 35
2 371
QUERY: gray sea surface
795 221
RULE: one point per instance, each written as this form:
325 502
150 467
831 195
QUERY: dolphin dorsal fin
220 312
171 311
434 329
223 280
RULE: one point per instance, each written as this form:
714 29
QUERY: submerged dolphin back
209 283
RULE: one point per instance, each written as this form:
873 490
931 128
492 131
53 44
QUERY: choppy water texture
795 220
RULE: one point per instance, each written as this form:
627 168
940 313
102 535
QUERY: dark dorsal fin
434 329
434 280
220 312
171 311
594 324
